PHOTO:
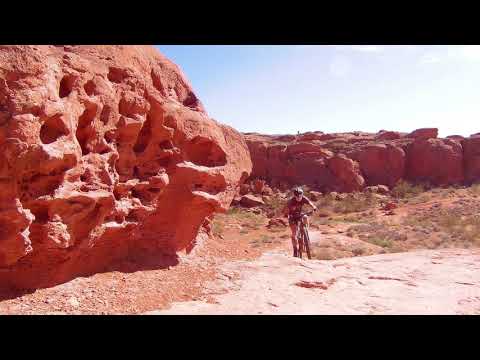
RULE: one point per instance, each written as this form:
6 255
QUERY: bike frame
303 239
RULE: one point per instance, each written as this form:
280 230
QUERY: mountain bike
303 239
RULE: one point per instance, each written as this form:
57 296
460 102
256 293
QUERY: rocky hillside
348 162
105 153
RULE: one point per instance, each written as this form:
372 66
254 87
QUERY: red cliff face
381 163
471 150
318 159
437 161
105 153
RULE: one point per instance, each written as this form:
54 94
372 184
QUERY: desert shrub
218 226
233 210
356 203
404 189
358 250
322 253
474 189
458 225
380 241
422 198
275 204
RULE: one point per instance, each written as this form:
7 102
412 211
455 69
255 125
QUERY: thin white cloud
429 59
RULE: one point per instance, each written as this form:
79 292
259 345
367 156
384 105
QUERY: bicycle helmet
297 191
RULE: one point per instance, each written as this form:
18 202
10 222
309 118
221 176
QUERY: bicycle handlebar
308 213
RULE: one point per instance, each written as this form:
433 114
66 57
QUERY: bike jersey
295 207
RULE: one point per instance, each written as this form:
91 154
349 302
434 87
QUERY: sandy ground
140 288
443 281
249 270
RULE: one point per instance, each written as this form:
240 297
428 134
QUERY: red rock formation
381 164
382 159
251 201
437 161
471 149
388 135
428 133
455 137
347 174
105 152
258 186
317 135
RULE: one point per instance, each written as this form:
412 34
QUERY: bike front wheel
306 242
300 243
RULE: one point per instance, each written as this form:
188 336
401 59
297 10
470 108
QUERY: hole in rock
117 195
191 100
132 217
82 137
166 145
84 129
205 152
90 87
136 172
135 193
157 82
110 136
52 129
144 137
106 114
66 86
87 116
40 212
116 75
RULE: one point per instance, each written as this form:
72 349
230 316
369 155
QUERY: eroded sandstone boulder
251 201
426 133
436 161
381 164
347 174
105 153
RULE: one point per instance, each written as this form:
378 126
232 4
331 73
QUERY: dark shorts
293 220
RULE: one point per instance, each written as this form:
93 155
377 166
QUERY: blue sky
284 89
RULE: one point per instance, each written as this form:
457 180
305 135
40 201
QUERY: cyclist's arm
312 205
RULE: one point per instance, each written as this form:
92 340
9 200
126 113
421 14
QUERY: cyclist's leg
293 228
305 221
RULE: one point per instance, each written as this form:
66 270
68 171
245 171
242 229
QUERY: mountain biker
293 211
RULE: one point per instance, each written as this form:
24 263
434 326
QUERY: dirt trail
443 281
